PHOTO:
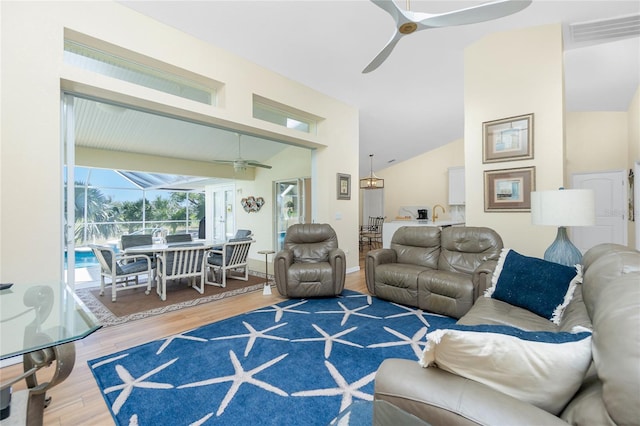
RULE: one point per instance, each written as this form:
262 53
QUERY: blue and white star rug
300 362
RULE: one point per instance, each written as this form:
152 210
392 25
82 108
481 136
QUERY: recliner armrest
338 261
373 259
384 255
440 397
482 277
335 255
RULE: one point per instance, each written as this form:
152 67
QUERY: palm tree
94 214
130 212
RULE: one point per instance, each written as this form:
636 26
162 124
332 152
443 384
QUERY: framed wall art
343 186
509 189
507 139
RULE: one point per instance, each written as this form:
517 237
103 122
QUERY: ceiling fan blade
390 7
384 53
471 15
256 164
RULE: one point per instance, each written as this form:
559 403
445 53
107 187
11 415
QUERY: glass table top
38 316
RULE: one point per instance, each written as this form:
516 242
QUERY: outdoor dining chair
135 240
229 260
179 238
122 269
187 261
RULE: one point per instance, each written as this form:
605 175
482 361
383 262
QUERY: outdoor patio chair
240 234
187 261
122 269
179 238
133 240
229 260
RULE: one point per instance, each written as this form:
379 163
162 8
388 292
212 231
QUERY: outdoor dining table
184 270
161 248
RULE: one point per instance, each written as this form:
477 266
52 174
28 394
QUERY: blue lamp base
562 250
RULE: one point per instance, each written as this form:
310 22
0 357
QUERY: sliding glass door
292 199
223 215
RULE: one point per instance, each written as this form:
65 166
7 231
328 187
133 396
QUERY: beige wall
33 73
509 74
634 158
634 130
596 141
422 180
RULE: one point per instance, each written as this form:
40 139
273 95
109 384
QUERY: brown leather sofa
608 302
311 264
433 268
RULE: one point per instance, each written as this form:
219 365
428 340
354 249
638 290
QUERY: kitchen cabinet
456 186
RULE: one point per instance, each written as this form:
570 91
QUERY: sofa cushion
542 287
542 368
418 245
445 292
398 282
464 248
486 310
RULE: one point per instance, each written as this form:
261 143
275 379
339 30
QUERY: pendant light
371 182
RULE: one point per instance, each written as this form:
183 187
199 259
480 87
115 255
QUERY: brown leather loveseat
433 268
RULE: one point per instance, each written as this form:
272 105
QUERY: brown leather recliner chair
311 264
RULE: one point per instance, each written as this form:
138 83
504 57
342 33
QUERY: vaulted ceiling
413 103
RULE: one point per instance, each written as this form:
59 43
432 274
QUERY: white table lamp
563 208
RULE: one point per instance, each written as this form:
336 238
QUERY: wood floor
77 400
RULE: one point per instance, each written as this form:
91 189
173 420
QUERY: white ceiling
413 103
115 128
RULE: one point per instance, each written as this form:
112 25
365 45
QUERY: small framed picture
508 139
509 189
344 186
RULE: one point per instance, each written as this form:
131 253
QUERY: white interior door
610 191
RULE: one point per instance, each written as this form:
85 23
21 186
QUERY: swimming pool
84 258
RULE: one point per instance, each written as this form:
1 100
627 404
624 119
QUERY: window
273 112
105 63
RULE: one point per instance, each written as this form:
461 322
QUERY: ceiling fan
408 22
240 164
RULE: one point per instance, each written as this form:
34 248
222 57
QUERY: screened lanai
109 203
110 139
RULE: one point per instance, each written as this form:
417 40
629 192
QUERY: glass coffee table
40 323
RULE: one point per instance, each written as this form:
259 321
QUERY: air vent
606 29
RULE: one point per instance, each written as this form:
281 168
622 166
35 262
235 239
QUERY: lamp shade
563 207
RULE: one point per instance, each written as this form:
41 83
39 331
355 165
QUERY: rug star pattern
300 362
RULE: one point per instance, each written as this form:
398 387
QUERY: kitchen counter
389 228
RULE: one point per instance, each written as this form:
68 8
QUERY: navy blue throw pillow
542 287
